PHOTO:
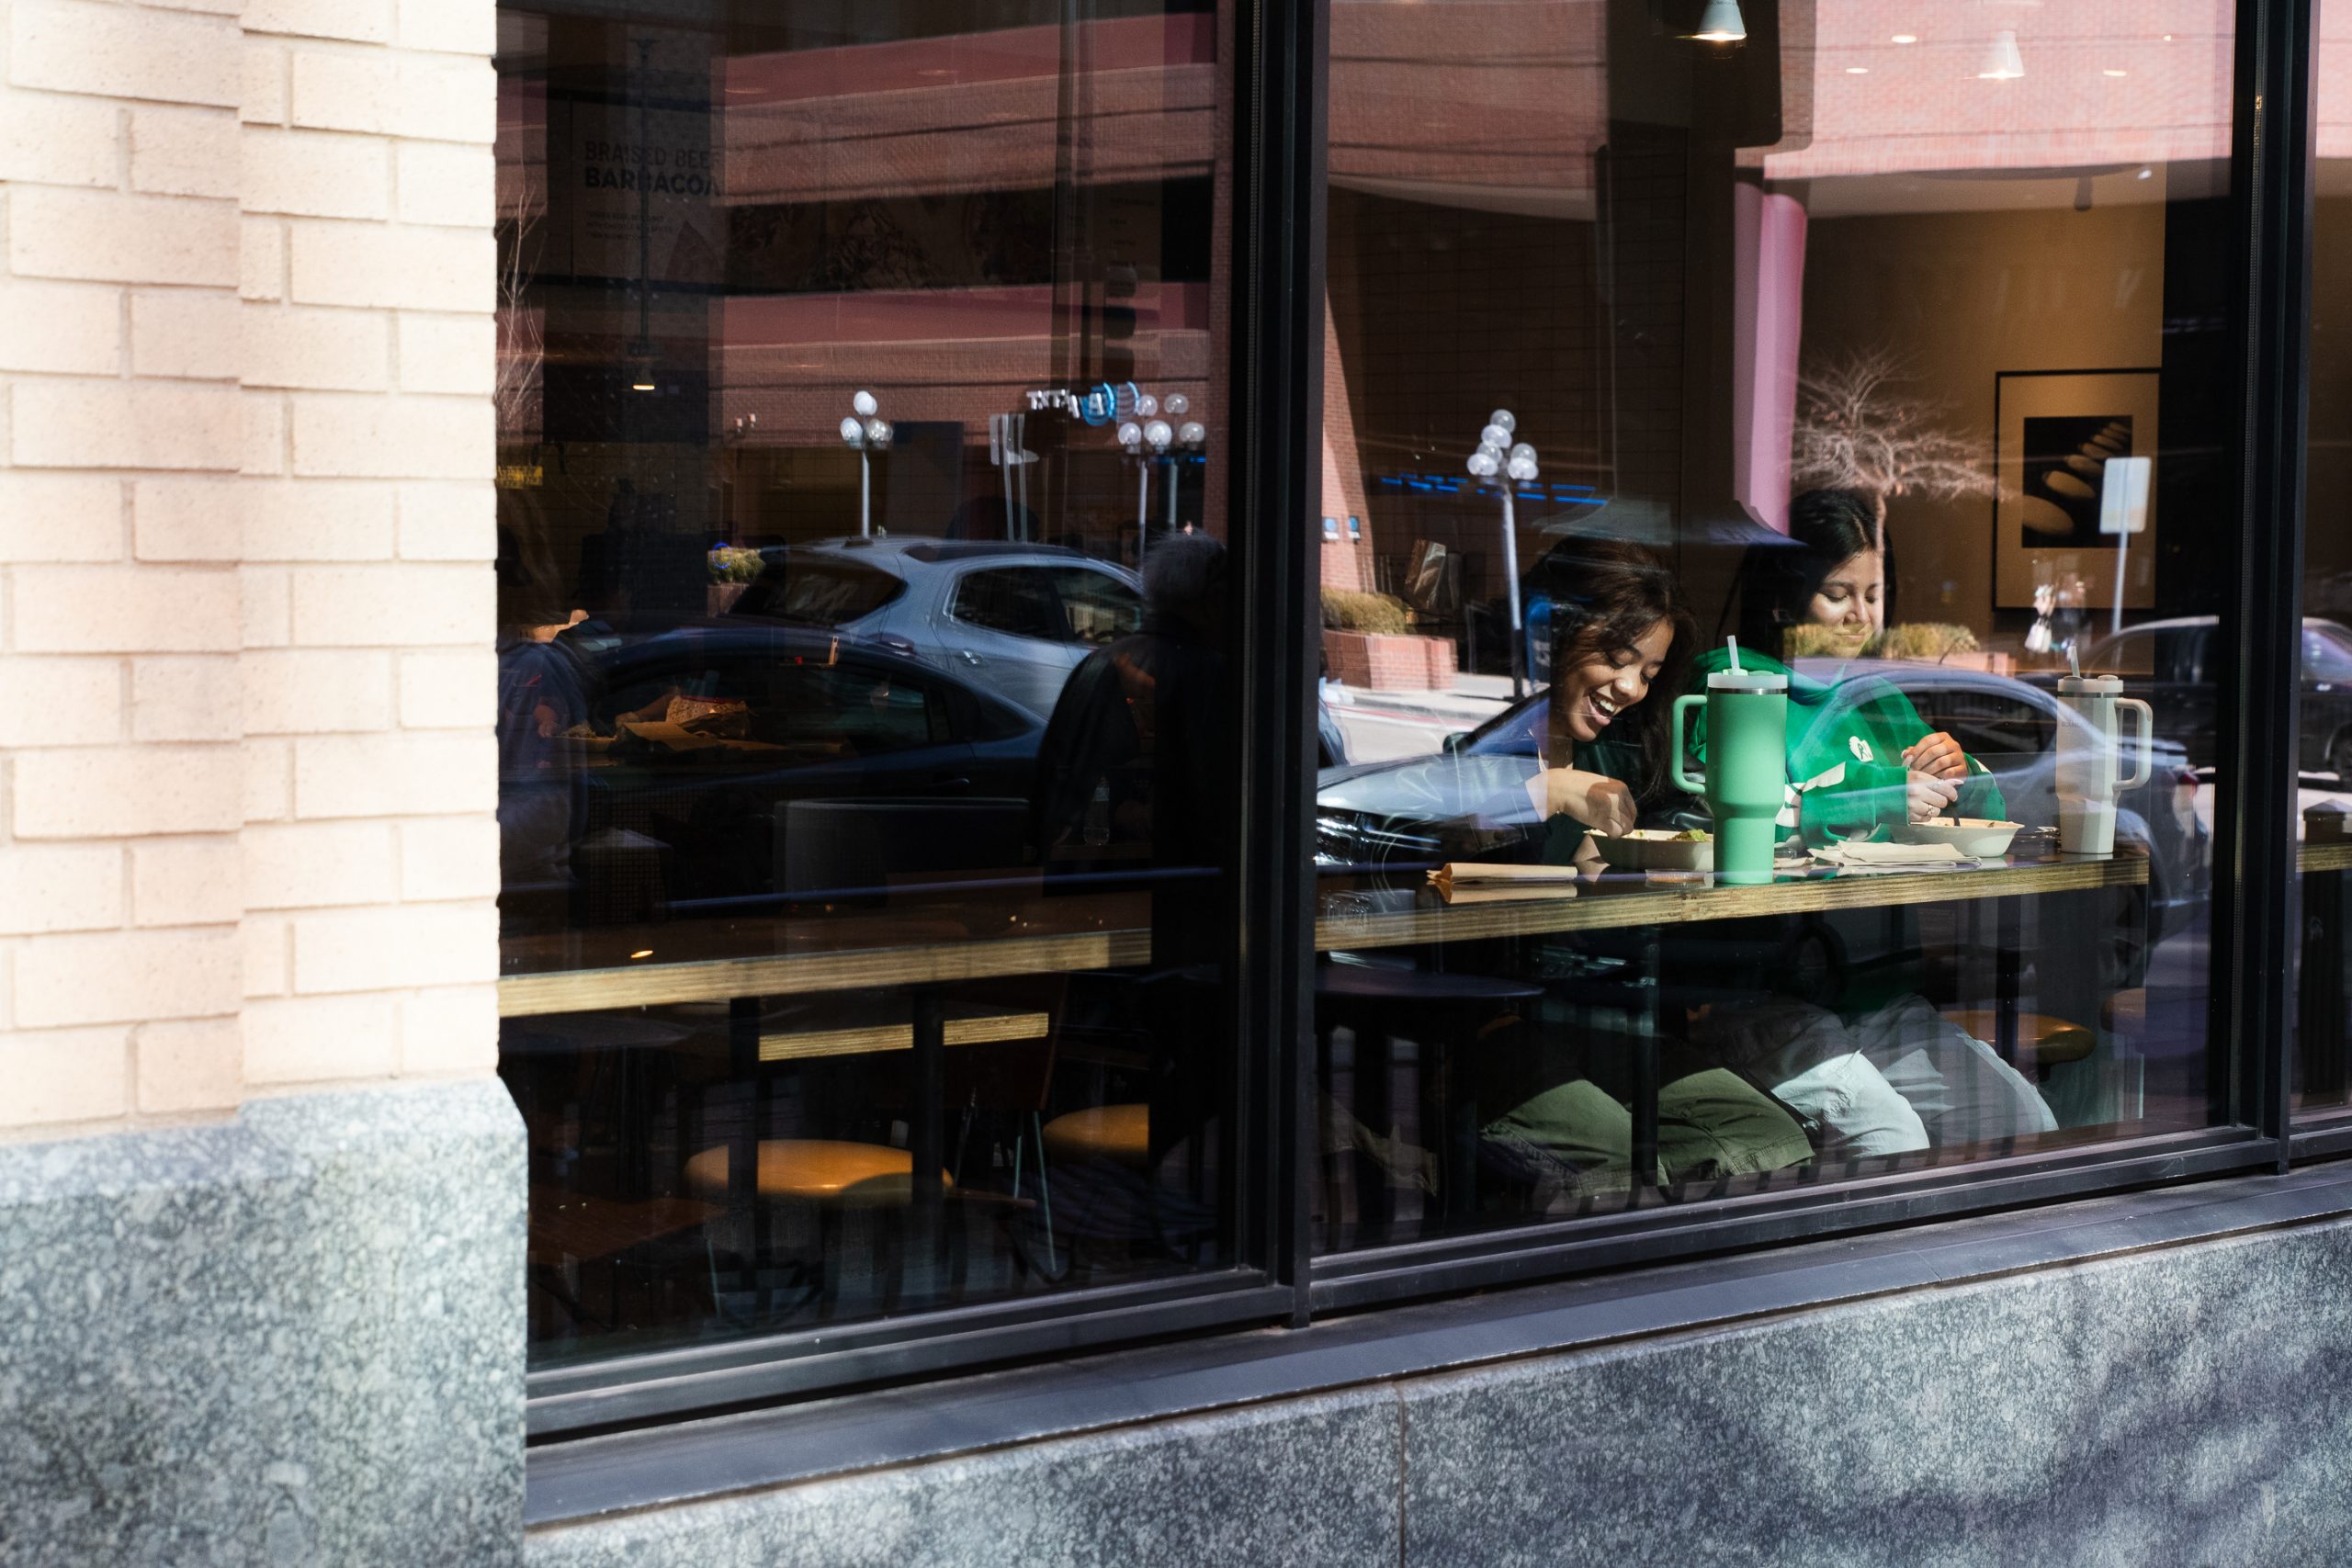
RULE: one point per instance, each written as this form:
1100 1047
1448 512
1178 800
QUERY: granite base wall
294 1338
2188 1405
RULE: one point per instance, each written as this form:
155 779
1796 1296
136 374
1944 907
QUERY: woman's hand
1938 756
1603 804
1928 796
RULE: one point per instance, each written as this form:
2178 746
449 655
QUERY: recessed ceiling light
1906 38
2113 72
1858 71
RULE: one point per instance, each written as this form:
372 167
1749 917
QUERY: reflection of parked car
2175 665
1014 619
717 749
1471 800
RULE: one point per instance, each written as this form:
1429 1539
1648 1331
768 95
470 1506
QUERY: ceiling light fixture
1720 23
2002 61
1906 38
1858 71
2110 72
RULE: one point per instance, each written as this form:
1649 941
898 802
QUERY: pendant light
2002 61
1721 23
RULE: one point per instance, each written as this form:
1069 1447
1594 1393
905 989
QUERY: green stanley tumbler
1747 724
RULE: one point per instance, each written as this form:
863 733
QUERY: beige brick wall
247 775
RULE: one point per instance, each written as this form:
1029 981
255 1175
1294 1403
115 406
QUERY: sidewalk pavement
1472 700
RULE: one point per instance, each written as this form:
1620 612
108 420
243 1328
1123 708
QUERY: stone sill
689 1460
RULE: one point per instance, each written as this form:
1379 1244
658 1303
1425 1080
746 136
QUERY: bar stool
833 1176
1120 1134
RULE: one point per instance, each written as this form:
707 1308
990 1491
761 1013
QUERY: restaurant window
867 700
2321 1080
1776 673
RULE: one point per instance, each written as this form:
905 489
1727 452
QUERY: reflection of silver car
1014 619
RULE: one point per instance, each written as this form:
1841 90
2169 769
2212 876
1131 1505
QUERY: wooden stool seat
2126 1012
817 1169
1118 1133
2043 1039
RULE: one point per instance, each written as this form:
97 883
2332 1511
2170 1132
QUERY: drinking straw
1733 643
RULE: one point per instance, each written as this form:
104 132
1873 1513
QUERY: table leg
2007 972
927 1129
1646 1069
743 1148
1374 1105
2320 1023
1458 1168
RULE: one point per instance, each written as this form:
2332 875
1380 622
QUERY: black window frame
1281 74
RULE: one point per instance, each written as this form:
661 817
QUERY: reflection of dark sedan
733 761
2176 664
1471 801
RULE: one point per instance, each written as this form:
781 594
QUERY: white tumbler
2089 757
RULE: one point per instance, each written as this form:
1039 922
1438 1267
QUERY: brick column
248 841
371 843
245 532
122 762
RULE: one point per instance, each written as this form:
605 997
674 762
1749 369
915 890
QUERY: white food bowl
1973 836
1655 849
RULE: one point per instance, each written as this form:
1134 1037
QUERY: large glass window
1773 638
2321 1082
866 707
1778 537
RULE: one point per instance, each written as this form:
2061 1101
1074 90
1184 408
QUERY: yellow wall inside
1966 296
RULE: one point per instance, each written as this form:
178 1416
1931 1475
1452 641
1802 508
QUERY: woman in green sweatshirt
1859 757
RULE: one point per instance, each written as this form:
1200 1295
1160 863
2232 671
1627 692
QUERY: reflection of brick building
899 217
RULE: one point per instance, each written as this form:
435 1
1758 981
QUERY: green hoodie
1846 740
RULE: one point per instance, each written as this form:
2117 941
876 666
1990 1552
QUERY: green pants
1574 1138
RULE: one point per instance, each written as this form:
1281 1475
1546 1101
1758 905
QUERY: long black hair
1606 596
1778 581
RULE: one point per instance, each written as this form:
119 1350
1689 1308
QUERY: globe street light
1149 438
1497 457
869 432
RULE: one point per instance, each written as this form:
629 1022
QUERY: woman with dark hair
1621 633
1859 757
1619 628
1840 574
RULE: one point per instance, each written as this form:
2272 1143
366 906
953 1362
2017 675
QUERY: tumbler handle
1682 775
2147 742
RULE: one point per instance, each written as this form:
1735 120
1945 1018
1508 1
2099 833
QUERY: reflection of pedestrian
1136 765
542 691
1135 776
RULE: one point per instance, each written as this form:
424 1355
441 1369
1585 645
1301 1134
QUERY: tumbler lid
1748 681
2091 685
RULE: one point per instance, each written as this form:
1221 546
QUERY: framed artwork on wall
2053 432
